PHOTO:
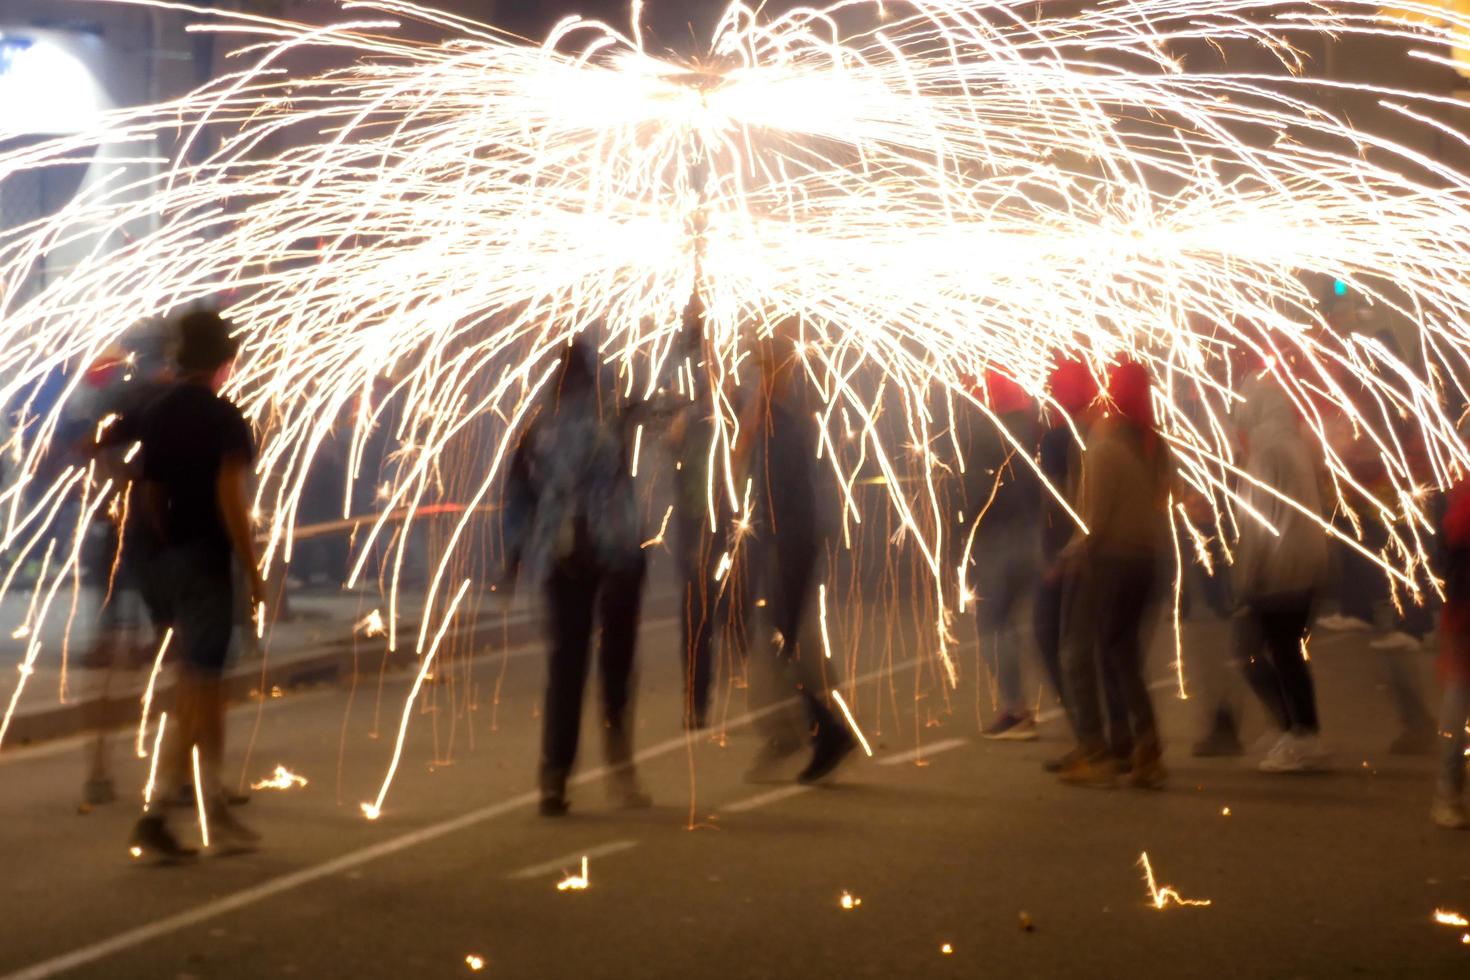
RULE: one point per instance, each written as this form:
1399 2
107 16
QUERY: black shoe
227 832
553 806
828 755
151 836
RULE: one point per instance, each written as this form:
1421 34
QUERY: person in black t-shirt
196 453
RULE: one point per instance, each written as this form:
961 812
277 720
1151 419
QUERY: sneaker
1012 728
1294 753
770 760
1398 640
151 836
830 750
1313 752
1448 812
1344 623
1147 770
227 833
1097 771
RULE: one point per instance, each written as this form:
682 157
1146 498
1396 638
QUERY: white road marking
923 751
761 799
571 860
130 938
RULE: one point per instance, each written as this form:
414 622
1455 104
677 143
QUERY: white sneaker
1337 621
1285 757
1397 640
1310 749
1448 812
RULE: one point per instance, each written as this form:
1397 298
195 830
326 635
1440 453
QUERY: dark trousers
1281 678
575 591
1115 594
201 600
787 569
703 604
1060 609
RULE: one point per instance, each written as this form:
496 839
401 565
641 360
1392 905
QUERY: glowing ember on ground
372 624
849 901
282 779
575 883
946 949
476 963
1161 897
1447 918
135 851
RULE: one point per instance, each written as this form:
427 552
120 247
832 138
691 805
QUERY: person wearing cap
196 451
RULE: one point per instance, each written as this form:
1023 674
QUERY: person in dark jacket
572 528
779 446
1003 501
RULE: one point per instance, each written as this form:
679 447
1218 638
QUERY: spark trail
911 194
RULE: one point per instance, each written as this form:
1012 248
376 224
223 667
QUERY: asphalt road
948 841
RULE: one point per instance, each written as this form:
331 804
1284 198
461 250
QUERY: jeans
1282 680
1006 573
1114 595
1454 714
574 592
201 599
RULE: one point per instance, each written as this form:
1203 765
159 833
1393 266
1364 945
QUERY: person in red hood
1448 809
1074 392
1122 502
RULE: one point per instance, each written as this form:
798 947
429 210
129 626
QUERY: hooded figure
1293 559
1278 571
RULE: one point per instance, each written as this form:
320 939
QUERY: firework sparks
1161 897
283 778
1445 917
372 624
967 189
199 797
148 692
852 723
575 883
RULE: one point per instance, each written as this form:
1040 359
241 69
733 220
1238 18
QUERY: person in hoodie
572 527
1122 501
1057 608
1003 495
1280 567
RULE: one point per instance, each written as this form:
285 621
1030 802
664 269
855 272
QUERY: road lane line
923 751
761 799
130 938
570 860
